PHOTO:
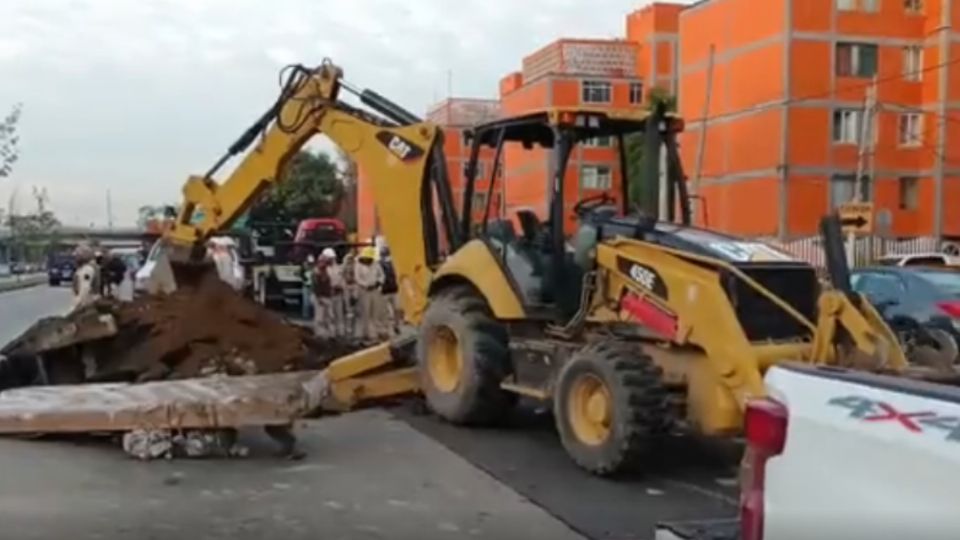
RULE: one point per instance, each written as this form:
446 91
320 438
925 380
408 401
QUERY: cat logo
399 147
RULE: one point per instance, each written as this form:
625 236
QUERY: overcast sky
133 95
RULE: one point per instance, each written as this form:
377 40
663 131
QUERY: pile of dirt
202 328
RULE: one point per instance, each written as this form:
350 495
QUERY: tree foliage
311 187
31 234
9 140
641 188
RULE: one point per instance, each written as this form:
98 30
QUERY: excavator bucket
176 266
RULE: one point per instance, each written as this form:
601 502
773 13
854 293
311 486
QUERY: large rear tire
610 406
462 357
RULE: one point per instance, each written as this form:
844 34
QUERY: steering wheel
585 206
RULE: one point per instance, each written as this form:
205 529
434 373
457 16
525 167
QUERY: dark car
60 268
911 298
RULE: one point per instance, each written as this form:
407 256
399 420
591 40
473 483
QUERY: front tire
610 406
462 357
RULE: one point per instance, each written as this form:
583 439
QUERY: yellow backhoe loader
628 329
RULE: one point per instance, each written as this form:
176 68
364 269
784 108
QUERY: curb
23 284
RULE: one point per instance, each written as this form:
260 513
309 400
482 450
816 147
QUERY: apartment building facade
782 126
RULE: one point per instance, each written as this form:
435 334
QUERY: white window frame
910 129
636 93
870 6
596 91
605 141
850 185
850 130
913 63
913 6
846 5
599 177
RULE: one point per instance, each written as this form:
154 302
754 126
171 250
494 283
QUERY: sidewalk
21 281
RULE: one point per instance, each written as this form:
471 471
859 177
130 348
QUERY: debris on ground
197 331
177 374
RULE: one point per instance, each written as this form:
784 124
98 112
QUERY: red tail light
952 308
765 425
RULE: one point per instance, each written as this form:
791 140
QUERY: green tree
9 139
311 187
33 234
641 187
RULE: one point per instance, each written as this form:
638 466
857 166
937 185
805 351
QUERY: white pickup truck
836 454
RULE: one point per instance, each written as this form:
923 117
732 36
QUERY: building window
599 142
842 186
910 129
480 201
913 6
846 5
871 6
912 62
480 170
595 177
909 192
636 93
856 60
846 126
595 92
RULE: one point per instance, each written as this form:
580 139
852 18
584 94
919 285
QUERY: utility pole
865 150
109 211
702 146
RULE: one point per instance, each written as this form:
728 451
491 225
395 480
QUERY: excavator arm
400 155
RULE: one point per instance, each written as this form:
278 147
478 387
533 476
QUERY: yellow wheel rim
444 359
590 409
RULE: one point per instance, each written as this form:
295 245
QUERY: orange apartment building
788 84
782 125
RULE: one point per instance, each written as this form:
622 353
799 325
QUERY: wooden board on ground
215 402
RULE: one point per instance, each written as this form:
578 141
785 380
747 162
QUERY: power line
821 95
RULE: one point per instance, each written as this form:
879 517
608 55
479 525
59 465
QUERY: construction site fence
867 249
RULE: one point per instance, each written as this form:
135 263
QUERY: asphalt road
396 474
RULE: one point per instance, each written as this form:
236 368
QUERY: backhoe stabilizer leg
371 375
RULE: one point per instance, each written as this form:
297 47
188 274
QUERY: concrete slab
366 476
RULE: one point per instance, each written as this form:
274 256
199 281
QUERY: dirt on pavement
205 327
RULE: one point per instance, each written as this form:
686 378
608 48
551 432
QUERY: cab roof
537 127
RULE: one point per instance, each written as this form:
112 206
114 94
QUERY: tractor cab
546 244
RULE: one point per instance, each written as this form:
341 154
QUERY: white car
234 275
920 259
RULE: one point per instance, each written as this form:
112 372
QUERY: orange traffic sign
857 217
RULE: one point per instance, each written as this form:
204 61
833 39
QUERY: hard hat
368 252
329 253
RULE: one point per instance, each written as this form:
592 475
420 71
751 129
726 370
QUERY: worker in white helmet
369 278
338 293
86 280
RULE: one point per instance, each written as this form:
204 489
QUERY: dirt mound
203 328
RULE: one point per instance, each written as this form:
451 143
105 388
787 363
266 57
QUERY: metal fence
866 250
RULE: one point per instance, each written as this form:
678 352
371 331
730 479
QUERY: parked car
914 299
920 259
60 269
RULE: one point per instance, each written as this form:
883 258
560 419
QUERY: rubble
176 373
199 330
